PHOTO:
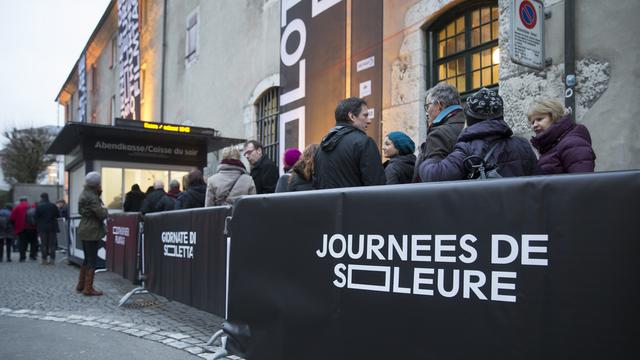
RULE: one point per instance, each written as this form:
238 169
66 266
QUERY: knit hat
484 104
402 142
291 157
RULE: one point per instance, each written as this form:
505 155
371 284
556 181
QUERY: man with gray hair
445 120
155 200
90 231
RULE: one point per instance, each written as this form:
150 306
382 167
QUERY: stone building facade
217 64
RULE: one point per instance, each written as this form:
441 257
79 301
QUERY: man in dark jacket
6 231
347 156
47 215
263 171
512 155
133 199
445 120
157 200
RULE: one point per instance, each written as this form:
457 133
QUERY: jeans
90 249
49 245
28 237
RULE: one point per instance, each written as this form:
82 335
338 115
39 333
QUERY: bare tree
23 158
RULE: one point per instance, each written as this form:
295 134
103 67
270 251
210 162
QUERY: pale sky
40 42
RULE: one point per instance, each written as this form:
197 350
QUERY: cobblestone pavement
47 292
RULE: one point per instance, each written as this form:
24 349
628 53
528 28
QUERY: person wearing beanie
290 158
398 148
511 156
47 214
445 120
90 231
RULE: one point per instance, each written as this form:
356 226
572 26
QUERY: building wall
607 72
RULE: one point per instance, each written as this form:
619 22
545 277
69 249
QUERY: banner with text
185 256
524 268
129 60
122 245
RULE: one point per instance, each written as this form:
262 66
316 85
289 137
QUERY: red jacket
18 217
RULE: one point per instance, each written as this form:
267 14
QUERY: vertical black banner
366 59
312 68
129 44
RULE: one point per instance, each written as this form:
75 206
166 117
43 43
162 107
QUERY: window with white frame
193 21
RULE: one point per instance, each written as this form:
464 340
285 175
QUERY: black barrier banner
185 256
122 245
525 268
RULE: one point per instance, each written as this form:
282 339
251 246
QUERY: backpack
30 216
479 168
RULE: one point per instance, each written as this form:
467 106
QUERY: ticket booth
130 152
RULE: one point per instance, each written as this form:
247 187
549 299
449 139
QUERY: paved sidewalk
47 292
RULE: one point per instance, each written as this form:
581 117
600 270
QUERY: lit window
465 48
192 36
267 115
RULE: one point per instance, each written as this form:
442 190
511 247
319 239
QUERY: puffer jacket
513 155
221 182
441 139
565 147
399 169
347 157
93 214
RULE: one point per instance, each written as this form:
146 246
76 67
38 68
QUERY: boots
83 274
88 284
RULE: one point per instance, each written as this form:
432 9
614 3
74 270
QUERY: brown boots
85 282
83 273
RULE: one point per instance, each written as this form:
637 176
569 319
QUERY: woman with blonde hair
230 181
564 146
302 172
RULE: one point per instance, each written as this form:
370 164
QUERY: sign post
526 33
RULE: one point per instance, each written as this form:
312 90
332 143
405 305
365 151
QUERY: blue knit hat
402 142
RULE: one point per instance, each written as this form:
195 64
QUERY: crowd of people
459 141
33 227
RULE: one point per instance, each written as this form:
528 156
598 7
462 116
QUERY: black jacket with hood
399 169
347 157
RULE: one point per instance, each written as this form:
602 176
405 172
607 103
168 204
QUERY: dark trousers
90 249
5 240
49 245
28 238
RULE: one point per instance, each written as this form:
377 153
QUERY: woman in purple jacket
564 146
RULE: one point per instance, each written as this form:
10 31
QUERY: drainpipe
569 56
164 55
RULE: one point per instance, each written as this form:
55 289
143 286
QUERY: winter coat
174 193
47 214
193 197
399 169
222 187
297 182
441 139
265 175
565 147
133 200
93 214
347 157
19 217
513 155
6 226
152 203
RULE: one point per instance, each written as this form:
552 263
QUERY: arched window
464 47
267 123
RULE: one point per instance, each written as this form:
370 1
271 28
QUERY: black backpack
479 168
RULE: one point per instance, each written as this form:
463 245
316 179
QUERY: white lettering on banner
179 243
491 284
319 6
120 234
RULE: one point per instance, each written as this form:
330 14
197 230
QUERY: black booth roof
73 134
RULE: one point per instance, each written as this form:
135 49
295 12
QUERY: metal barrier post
141 289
